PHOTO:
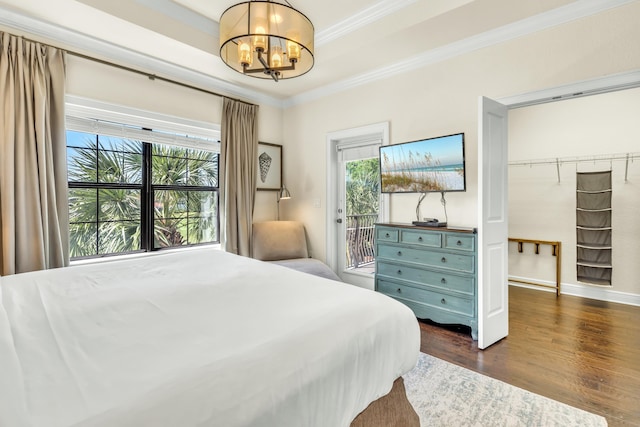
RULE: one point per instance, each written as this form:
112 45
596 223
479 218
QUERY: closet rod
136 71
561 160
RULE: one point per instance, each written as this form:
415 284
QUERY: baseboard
584 291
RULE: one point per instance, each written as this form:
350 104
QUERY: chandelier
265 39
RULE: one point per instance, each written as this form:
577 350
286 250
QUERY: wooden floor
583 352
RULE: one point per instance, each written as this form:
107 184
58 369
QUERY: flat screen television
426 165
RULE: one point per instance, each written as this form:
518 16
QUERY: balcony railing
360 250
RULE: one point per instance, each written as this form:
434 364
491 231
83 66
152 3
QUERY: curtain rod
136 71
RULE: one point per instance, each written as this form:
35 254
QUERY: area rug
447 395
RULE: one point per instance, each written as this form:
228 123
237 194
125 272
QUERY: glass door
358 207
362 204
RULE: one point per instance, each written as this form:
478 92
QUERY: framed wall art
269 166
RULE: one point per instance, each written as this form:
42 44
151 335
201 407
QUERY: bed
200 338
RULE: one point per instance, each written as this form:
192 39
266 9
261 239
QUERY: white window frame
92 116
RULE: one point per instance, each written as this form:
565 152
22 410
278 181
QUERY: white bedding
195 338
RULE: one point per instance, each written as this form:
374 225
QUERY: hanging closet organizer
593 223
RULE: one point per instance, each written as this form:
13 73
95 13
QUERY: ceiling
355 41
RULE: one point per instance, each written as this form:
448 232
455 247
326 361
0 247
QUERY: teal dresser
434 271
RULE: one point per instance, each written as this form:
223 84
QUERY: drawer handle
443 281
443 259
399 253
459 243
420 239
399 272
443 301
399 290
387 235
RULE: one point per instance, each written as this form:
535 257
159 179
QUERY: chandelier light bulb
244 54
276 56
260 42
293 51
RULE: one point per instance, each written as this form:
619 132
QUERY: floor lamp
283 194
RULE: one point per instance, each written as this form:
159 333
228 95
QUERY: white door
344 236
493 289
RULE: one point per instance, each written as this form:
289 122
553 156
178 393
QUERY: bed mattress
195 338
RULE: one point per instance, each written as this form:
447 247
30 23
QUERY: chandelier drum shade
267 40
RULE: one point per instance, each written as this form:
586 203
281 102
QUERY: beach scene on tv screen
429 165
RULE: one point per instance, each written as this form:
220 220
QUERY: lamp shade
284 193
277 30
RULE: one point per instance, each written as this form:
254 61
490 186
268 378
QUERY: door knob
339 220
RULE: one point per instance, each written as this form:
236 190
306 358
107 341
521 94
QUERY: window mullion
147 198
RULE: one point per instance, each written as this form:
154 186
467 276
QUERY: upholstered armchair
285 243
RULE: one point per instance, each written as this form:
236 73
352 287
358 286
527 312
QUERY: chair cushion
277 240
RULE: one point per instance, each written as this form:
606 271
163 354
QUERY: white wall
93 80
442 99
430 101
541 208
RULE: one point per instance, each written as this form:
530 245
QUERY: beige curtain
238 168
34 211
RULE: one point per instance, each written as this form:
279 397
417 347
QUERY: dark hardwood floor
583 352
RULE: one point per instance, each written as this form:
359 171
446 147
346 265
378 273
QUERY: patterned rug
444 394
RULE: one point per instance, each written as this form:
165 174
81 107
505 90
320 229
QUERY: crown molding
365 17
604 84
82 42
118 54
562 15
183 14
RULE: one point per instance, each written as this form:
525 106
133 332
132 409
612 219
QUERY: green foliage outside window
106 195
363 186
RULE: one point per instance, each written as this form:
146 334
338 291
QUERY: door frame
379 131
599 85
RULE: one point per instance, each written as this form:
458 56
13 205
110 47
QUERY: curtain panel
238 173
34 211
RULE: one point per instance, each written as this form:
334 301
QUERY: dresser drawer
439 259
421 238
386 234
429 298
456 241
436 279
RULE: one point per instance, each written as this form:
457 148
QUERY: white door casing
376 133
493 289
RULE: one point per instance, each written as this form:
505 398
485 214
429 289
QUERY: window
128 195
185 196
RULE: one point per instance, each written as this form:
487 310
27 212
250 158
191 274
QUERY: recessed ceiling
354 39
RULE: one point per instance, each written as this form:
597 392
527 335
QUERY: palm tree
363 182
184 217
106 218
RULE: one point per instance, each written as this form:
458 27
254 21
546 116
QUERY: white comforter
195 338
